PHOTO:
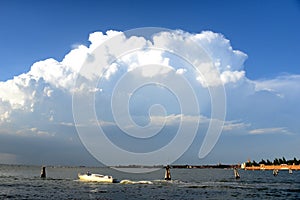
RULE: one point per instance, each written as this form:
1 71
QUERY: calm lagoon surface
24 182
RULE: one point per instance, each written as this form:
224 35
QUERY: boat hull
96 178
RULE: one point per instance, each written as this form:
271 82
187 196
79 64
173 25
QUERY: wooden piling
43 172
168 173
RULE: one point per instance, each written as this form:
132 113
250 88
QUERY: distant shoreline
216 166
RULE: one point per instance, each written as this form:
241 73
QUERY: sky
253 44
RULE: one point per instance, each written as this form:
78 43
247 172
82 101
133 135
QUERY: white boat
96 178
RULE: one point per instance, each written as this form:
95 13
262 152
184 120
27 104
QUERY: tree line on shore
276 161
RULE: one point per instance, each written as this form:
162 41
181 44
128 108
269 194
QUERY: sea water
24 182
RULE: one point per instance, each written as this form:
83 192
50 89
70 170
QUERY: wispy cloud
67 124
34 132
276 130
235 125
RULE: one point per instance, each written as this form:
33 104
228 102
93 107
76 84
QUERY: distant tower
168 173
43 172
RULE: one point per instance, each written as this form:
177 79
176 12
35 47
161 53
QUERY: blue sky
262 88
34 30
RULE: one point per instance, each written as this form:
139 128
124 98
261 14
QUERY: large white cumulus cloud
23 92
34 101
35 88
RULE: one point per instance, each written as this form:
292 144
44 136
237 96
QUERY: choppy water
23 182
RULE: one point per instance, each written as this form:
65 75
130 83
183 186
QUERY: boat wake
135 182
155 182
